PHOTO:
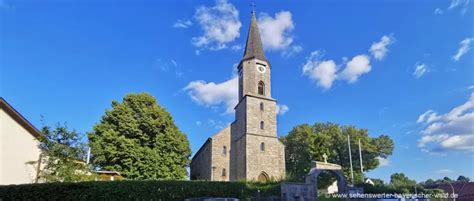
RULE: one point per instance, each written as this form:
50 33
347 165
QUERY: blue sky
401 68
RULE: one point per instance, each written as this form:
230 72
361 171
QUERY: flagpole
361 165
88 155
350 158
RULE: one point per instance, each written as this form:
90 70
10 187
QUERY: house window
224 150
262 125
262 146
223 172
261 88
261 107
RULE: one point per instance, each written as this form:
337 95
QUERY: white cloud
182 24
379 49
428 117
323 72
356 67
292 50
165 65
383 161
210 94
214 94
236 47
282 109
216 124
465 47
438 11
444 171
174 62
463 5
458 3
420 70
220 24
276 31
198 123
451 131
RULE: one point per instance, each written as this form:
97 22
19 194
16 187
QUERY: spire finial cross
252 5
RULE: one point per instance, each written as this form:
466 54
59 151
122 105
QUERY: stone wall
255 115
237 152
211 160
221 155
201 162
271 160
238 156
251 78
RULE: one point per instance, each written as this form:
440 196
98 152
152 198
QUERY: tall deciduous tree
139 139
62 155
306 143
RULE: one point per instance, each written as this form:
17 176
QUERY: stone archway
308 190
336 170
263 177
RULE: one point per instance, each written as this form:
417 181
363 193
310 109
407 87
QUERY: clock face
261 68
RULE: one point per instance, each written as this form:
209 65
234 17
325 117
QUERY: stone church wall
271 160
238 155
221 155
252 78
255 115
201 162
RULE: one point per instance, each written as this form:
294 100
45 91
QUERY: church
249 148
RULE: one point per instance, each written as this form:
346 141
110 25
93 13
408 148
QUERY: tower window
261 88
223 172
261 106
262 125
262 146
224 150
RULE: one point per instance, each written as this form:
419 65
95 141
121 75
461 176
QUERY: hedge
137 190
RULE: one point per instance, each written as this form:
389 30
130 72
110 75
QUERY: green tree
428 182
306 143
62 154
462 178
400 181
139 139
447 179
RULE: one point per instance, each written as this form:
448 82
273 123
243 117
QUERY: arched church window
224 150
262 146
263 177
261 88
223 172
261 106
262 125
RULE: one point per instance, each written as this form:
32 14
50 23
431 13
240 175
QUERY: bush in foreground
137 190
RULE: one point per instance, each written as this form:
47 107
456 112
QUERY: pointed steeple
254 47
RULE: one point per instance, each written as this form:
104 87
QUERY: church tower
256 153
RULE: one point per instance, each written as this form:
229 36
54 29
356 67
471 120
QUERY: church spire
254 47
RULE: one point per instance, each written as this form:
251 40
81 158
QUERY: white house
18 146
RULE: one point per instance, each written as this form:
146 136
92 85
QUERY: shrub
137 190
